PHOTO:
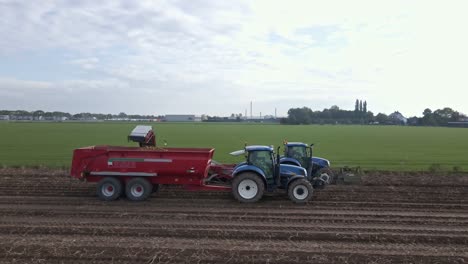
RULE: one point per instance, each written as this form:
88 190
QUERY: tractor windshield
300 154
263 160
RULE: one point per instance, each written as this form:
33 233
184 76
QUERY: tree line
439 117
361 115
57 114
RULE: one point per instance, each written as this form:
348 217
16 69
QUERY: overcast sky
214 57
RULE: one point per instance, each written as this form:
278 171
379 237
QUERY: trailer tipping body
182 166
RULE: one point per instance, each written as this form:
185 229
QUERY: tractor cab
300 154
262 172
264 159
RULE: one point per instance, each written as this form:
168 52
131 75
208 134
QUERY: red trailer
137 171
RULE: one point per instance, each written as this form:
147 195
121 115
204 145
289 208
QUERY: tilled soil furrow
9 227
369 236
247 212
228 251
111 255
281 198
211 203
271 220
220 224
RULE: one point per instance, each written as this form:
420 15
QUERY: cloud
228 53
13 84
86 63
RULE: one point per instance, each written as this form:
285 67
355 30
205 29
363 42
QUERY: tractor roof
251 148
258 148
296 144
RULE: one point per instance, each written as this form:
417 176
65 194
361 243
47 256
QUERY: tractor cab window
299 153
264 161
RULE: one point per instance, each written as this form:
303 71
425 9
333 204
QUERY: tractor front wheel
248 187
300 191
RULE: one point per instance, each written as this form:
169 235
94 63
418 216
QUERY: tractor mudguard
240 165
285 160
293 179
245 167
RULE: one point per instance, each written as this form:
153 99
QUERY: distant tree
360 106
365 107
300 115
334 108
356 107
382 118
427 111
457 116
38 113
413 121
368 116
122 115
446 113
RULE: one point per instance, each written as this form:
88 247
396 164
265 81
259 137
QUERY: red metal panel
185 166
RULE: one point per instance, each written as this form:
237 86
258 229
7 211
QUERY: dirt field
46 217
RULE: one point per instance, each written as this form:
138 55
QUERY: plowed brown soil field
47 217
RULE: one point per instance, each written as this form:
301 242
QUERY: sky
215 57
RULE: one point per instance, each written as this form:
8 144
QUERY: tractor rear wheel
248 187
300 191
138 189
109 189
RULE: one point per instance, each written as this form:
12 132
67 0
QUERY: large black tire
329 172
138 189
248 187
109 189
300 191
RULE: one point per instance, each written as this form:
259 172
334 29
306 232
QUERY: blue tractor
262 172
318 169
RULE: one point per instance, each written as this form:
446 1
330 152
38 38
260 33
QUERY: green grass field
371 147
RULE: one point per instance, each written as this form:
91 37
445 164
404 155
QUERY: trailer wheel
248 187
300 191
109 189
138 189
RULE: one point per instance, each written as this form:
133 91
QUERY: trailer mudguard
286 160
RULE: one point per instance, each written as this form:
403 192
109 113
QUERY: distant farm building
182 118
458 124
397 116
4 117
